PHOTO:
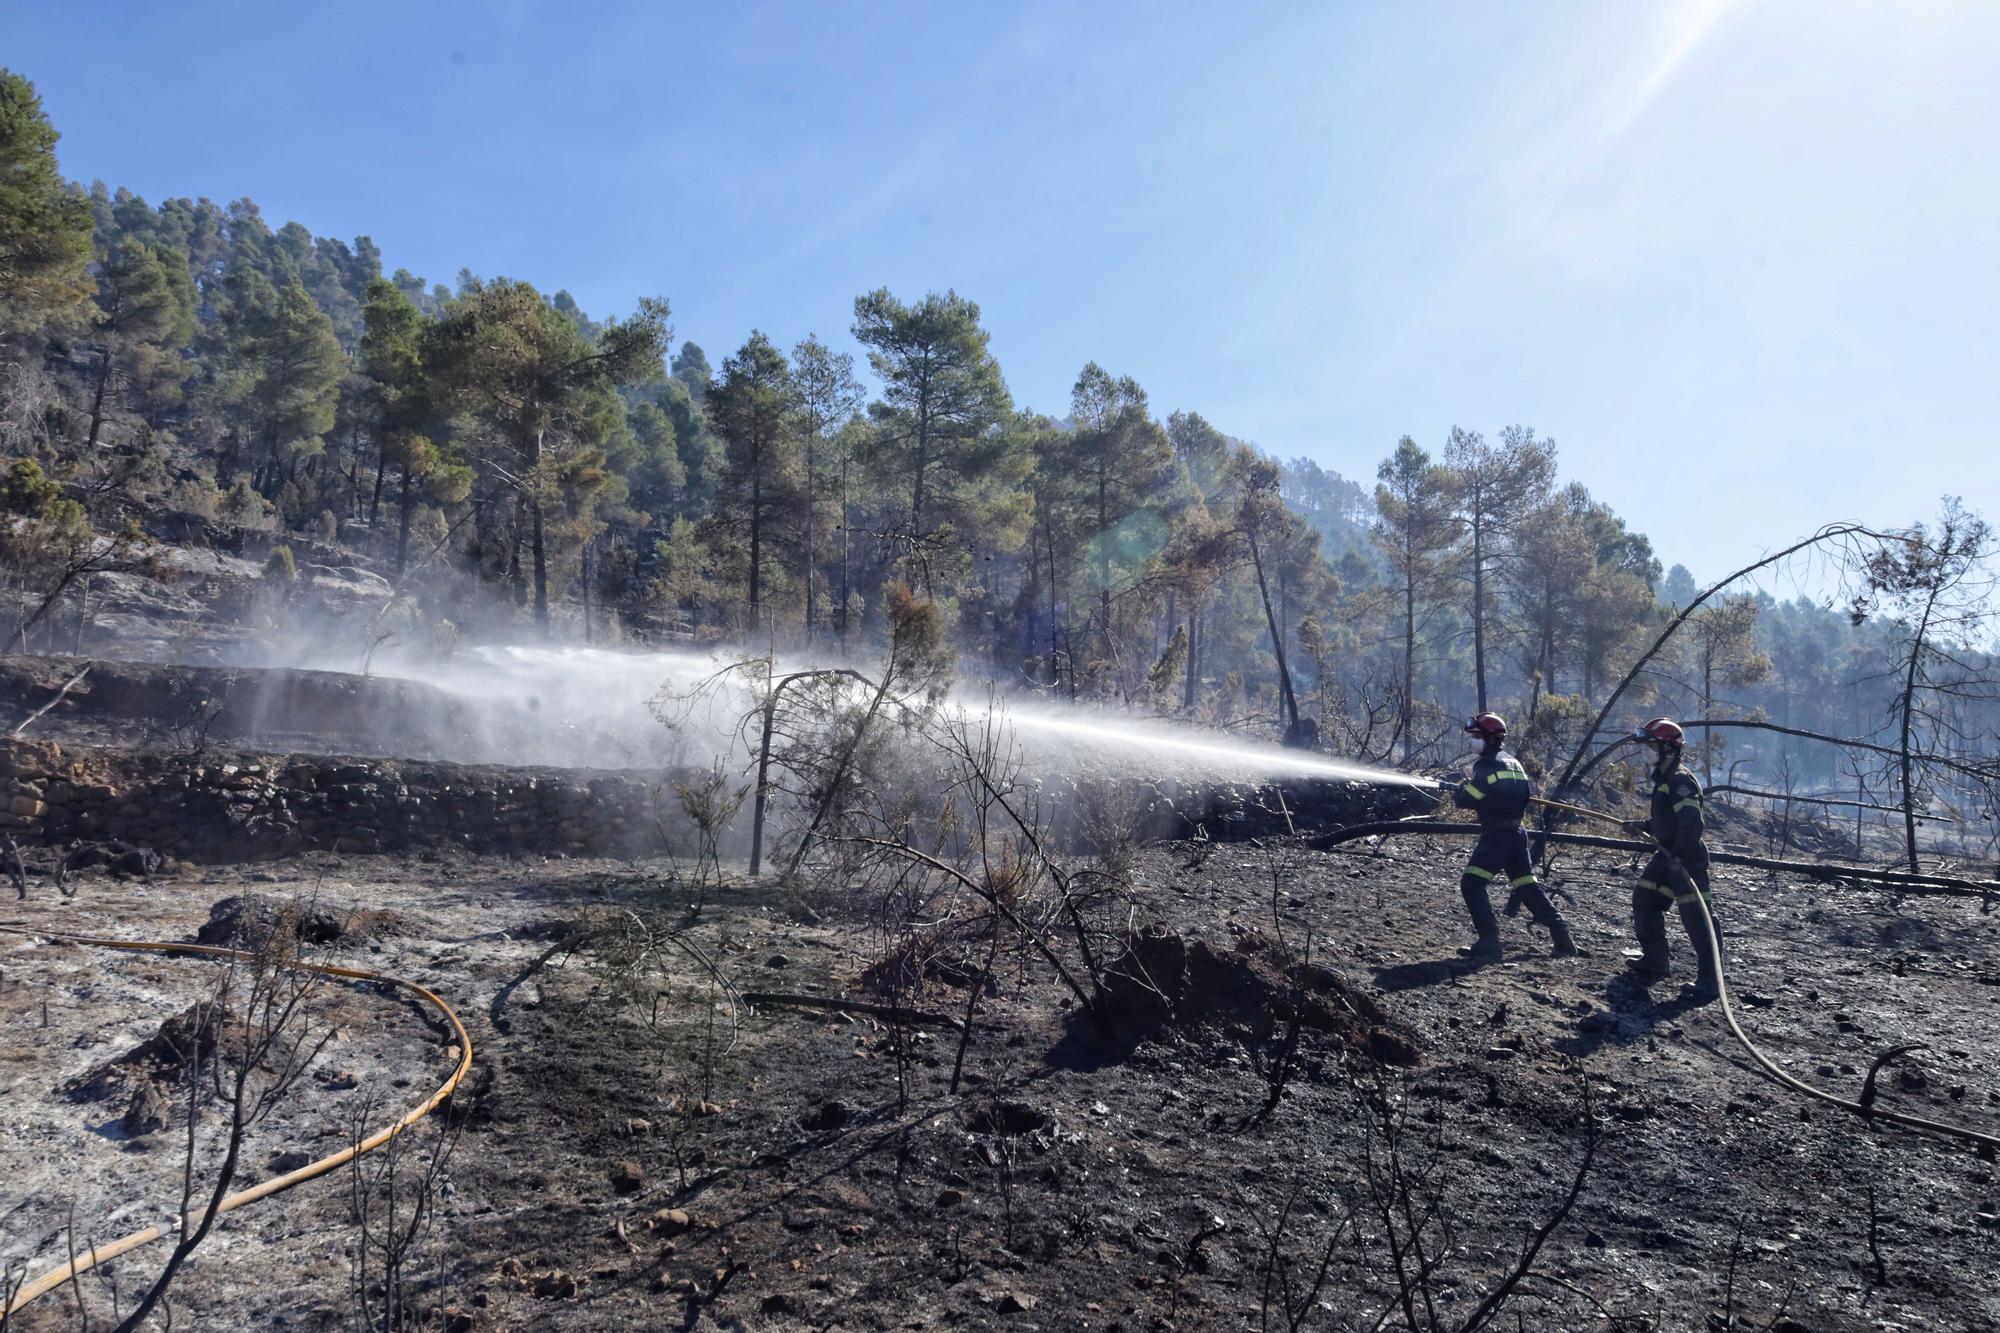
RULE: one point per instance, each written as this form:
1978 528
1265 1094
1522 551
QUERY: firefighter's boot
1560 943
1486 948
1651 929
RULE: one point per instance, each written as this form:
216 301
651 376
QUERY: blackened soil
629 1162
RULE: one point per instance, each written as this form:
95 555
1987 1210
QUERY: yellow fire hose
55 1277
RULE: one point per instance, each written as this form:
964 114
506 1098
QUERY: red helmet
1487 724
1662 729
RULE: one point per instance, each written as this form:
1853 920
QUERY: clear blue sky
1740 258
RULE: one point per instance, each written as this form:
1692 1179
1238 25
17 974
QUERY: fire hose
55 1277
1987 1144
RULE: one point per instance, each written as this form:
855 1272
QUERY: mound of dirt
1165 981
244 921
190 1035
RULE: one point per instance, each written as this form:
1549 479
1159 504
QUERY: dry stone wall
222 808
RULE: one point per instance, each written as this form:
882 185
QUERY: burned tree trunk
1277 637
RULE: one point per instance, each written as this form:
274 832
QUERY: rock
1008 1301
637 1126
777 960
290 1160
826 1117
555 1286
1009 1119
669 1222
137 862
627 1177
120 858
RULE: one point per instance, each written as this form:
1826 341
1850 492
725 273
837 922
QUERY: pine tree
828 397
1122 462
545 393
658 477
752 405
45 222
1544 585
1494 488
145 316
937 435
1415 531
1723 647
294 364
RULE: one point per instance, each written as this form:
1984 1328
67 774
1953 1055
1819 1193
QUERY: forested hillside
183 372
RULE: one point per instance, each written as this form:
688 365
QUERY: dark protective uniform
1675 822
1498 791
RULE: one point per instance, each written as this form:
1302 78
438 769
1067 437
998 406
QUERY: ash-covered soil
616 1165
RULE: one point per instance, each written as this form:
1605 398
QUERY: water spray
1221 757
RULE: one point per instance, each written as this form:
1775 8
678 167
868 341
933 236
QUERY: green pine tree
45 222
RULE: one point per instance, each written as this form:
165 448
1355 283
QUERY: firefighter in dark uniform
1498 792
1679 870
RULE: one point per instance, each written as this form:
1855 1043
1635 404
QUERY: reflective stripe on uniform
1481 873
1657 888
1519 880
1685 802
1500 773
1474 792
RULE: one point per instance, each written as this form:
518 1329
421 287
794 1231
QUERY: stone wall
223 808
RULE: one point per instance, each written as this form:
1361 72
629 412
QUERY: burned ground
617 1166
